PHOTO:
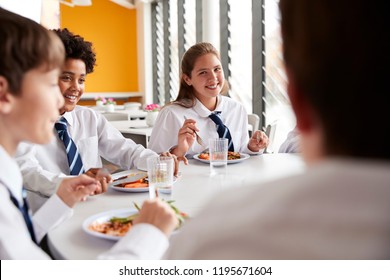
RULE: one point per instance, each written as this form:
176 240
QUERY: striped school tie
25 212
223 130
74 159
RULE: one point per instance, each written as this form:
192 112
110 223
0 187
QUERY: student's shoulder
230 101
85 113
232 104
173 109
84 110
80 108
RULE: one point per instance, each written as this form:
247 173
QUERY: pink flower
102 99
152 108
110 101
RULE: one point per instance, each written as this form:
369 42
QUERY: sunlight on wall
112 30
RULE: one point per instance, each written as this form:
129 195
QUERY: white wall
27 8
144 48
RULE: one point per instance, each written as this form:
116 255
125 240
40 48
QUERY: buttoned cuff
247 151
50 215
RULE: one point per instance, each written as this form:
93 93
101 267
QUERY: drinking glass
218 148
160 176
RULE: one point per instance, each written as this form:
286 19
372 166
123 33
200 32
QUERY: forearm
42 182
35 177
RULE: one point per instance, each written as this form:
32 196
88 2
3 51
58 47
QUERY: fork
198 138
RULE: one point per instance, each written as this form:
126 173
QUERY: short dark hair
77 48
337 52
25 45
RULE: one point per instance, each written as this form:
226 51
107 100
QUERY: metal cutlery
198 138
131 178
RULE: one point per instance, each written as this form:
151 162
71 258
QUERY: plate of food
233 157
111 225
130 181
114 224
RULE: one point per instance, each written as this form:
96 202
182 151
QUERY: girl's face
71 83
207 77
36 109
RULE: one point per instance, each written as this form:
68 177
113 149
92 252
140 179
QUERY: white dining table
192 190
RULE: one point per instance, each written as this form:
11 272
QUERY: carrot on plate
205 156
139 184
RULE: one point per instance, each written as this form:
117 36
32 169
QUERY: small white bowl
132 105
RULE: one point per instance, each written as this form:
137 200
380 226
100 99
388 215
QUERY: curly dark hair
77 48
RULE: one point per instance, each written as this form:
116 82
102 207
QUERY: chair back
271 132
254 123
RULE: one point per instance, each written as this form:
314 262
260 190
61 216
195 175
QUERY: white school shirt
292 142
15 240
338 209
143 241
44 166
171 118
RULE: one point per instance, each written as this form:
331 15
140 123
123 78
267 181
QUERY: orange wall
112 30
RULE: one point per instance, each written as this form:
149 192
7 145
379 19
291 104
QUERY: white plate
131 190
243 157
125 173
105 217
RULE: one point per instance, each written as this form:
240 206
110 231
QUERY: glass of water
218 148
160 176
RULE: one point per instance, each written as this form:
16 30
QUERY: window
276 103
173 31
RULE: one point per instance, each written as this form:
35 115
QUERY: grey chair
254 123
270 132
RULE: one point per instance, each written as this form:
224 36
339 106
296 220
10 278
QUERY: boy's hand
73 190
159 214
103 176
258 141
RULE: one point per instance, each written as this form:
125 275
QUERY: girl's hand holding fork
186 138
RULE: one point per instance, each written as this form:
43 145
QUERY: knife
131 178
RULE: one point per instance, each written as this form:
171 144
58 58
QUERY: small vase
110 108
99 103
151 118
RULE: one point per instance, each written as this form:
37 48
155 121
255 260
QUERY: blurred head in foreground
337 58
30 62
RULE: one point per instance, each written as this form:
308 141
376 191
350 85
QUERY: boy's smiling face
71 83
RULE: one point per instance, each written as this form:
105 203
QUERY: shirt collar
10 174
69 118
202 111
